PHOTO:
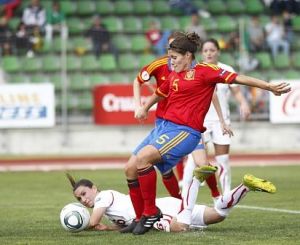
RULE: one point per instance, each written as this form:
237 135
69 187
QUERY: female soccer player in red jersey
189 93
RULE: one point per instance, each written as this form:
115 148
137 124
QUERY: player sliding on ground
117 207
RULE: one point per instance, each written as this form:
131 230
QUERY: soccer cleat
203 172
146 223
256 184
129 228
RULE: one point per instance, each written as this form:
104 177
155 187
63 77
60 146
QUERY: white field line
278 210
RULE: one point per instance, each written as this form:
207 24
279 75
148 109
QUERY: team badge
145 75
190 75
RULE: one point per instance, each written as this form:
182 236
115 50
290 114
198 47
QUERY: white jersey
120 211
223 93
118 206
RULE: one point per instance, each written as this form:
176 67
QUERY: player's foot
203 172
216 199
146 223
256 184
129 228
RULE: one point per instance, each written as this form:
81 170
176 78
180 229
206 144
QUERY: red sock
136 197
171 183
212 184
147 180
179 168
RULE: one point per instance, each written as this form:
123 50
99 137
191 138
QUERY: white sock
225 172
188 171
230 199
189 197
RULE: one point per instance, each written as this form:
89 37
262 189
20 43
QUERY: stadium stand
127 22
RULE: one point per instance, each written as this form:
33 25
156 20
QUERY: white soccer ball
74 217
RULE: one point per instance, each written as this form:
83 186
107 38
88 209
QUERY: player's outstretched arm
274 87
142 112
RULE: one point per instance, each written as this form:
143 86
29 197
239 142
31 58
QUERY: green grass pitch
30 204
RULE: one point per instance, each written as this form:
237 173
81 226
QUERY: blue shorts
173 141
200 146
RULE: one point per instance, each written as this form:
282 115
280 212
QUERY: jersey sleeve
104 199
163 90
150 70
215 74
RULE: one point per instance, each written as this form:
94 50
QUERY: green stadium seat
282 61
142 7
209 24
81 42
146 59
128 62
169 23
235 7
184 21
119 78
264 59
107 63
85 7
76 25
73 63
51 63
68 7
122 43
14 22
18 78
78 82
226 24
113 24
257 74
216 7
105 7
296 60
160 7
11 64
139 43
31 64
85 101
123 7
98 79
90 63
228 59
131 24
254 7
296 23
292 74
39 78
56 79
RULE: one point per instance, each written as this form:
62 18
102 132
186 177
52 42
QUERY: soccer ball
74 217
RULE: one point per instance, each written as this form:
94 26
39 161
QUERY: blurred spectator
275 37
256 35
195 26
55 20
22 41
233 42
187 7
100 38
8 6
34 16
5 37
288 26
157 38
278 6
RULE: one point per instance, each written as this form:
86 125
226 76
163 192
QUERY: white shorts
214 133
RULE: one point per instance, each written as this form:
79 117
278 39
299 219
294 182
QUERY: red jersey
160 70
190 93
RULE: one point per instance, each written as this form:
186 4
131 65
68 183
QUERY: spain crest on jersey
190 75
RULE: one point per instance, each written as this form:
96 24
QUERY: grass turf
31 202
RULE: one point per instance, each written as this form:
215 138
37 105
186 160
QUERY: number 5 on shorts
162 139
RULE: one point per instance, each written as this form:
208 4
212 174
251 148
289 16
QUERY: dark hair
176 34
211 40
81 182
189 42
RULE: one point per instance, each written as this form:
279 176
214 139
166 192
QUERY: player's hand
226 129
279 88
245 111
141 114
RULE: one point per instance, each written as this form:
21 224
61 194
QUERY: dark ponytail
81 182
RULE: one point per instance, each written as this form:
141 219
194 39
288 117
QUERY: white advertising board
27 105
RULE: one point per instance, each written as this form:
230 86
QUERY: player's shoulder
205 66
160 61
225 67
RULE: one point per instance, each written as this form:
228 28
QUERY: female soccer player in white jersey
210 53
117 207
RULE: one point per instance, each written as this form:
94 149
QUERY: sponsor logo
291 103
190 75
145 75
22 112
